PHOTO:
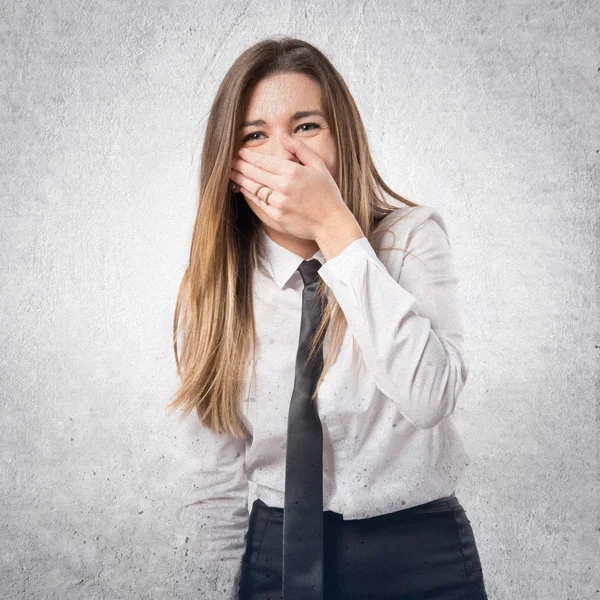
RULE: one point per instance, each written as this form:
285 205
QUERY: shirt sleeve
214 506
409 328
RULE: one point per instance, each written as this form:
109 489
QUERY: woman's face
275 100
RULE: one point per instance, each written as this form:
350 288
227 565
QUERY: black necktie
303 498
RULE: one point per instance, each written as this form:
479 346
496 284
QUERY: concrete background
486 110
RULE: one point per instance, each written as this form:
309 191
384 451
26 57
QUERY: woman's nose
280 152
274 147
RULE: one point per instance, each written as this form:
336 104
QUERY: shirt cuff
345 263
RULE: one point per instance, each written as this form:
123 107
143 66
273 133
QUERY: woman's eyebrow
295 117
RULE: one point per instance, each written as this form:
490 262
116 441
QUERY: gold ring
266 200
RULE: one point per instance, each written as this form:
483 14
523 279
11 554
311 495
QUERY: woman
362 506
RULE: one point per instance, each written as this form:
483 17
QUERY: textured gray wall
486 110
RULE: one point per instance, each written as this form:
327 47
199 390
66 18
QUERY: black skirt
426 551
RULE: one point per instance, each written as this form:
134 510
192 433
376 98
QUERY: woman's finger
252 173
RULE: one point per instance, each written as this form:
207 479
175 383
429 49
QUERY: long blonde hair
214 309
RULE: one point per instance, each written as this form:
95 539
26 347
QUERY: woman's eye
249 137
308 124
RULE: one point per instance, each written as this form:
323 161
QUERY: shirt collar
283 263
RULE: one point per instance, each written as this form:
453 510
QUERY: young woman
288 185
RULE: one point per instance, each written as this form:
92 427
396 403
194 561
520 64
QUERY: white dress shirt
389 440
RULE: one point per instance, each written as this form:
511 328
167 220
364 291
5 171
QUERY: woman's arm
214 506
409 330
